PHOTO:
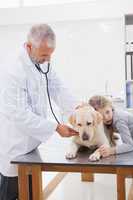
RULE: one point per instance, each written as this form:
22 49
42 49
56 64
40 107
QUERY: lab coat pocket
33 90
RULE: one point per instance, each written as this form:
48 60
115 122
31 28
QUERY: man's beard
34 60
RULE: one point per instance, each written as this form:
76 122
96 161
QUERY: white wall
90 41
68 11
89 53
93 50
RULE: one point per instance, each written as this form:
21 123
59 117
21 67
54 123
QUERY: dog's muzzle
85 136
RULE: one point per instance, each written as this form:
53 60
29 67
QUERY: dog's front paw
71 155
95 156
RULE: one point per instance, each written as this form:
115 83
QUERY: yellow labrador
89 124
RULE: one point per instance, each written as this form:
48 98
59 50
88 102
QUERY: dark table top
53 152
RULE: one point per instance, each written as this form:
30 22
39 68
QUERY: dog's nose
85 136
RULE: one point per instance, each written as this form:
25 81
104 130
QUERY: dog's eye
79 124
88 123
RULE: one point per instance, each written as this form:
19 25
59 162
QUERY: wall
89 53
90 42
68 11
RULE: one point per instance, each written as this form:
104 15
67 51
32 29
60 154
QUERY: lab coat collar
25 57
28 62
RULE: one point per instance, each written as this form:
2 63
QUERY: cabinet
129 60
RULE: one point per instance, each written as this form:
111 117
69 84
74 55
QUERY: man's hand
66 131
106 150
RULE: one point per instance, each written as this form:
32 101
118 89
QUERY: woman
115 121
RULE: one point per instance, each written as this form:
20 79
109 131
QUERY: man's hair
99 102
40 32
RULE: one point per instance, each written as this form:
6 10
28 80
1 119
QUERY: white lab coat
23 109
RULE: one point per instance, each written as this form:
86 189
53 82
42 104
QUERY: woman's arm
123 130
126 138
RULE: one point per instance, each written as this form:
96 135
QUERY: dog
88 122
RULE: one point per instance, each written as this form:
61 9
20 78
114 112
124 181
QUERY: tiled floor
71 188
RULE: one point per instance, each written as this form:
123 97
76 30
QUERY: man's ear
99 117
28 46
72 120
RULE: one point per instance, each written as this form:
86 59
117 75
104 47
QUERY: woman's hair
99 102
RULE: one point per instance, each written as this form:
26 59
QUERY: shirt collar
25 57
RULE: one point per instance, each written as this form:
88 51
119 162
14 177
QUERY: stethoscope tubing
45 73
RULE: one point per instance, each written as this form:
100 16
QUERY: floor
71 187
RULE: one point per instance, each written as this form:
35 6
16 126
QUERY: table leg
87 177
36 182
23 184
130 194
121 194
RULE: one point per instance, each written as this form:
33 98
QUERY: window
44 2
21 3
9 3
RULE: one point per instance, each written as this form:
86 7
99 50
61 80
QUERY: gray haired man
23 106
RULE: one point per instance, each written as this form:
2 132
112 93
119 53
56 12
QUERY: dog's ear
82 105
97 118
72 120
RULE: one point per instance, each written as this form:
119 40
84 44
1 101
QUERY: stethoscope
45 73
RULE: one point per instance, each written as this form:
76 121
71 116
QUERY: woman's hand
105 150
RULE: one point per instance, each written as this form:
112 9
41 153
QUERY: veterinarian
115 121
24 102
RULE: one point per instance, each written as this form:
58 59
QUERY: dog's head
85 120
